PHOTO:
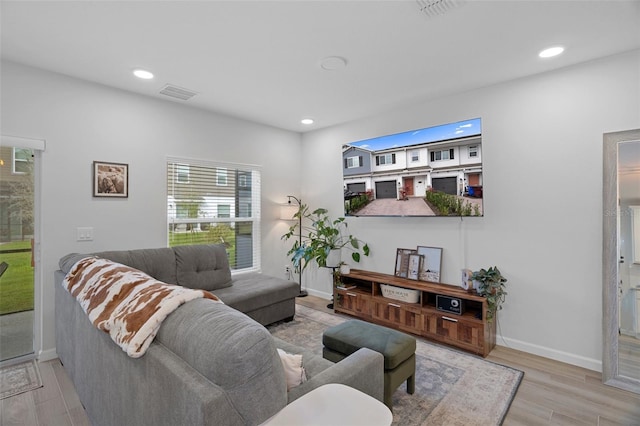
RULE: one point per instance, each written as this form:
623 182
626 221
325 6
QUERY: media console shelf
361 296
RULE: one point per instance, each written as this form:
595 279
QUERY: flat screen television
435 171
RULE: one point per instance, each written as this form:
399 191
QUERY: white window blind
219 203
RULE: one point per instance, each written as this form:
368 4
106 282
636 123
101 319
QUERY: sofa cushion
293 368
160 263
67 262
231 350
203 267
253 291
313 363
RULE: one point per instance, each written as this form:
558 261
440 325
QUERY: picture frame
110 179
431 263
415 265
402 261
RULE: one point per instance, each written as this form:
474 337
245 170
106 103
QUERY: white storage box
398 293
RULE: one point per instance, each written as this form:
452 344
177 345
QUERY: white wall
82 122
542 156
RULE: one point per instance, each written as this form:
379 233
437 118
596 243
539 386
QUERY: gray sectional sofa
210 363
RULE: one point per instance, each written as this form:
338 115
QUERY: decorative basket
398 293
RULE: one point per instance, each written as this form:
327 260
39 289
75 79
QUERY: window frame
440 154
222 176
353 162
180 171
241 196
15 160
389 159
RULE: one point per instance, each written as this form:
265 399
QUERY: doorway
17 266
408 186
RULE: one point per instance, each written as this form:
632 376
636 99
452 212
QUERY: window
21 160
415 155
182 173
473 151
215 205
385 159
446 154
221 177
353 162
224 210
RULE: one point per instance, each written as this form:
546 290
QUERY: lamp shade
288 212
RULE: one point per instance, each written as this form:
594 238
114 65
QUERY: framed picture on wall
110 179
402 262
431 263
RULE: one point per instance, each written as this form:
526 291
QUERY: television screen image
435 171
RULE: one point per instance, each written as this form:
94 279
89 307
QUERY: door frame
37 146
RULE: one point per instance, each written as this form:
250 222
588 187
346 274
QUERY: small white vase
345 269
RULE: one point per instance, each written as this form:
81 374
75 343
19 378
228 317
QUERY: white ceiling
261 60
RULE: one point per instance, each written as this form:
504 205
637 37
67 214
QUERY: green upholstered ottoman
398 350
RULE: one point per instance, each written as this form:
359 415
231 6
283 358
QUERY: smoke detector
433 8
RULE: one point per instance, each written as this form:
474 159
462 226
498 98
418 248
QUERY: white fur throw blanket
125 302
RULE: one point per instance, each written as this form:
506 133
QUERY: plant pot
333 258
345 269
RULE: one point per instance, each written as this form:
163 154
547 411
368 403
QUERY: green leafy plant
319 235
492 287
449 205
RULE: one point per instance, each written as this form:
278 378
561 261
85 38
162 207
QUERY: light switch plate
85 234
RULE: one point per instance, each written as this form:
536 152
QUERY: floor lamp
288 212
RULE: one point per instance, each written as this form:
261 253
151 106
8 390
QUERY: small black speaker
453 305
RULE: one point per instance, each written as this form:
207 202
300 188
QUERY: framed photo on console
431 263
402 262
415 264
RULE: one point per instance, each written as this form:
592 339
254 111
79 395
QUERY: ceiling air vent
433 8
177 92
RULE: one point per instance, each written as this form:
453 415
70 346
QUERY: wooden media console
361 296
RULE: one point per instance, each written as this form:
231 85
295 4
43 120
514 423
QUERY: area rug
452 387
19 378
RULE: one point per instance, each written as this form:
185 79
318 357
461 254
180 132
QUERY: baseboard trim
320 294
628 332
47 355
556 355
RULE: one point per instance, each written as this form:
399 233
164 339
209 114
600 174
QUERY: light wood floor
56 403
554 393
551 393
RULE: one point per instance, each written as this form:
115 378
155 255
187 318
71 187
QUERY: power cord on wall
463 262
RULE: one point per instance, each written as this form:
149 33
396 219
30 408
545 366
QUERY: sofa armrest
362 370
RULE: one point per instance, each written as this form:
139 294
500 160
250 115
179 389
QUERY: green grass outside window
16 285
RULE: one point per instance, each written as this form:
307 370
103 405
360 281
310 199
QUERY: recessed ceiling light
550 52
307 121
143 74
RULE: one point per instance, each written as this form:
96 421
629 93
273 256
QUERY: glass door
16 252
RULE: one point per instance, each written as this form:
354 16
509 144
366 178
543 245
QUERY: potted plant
317 235
491 285
337 275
